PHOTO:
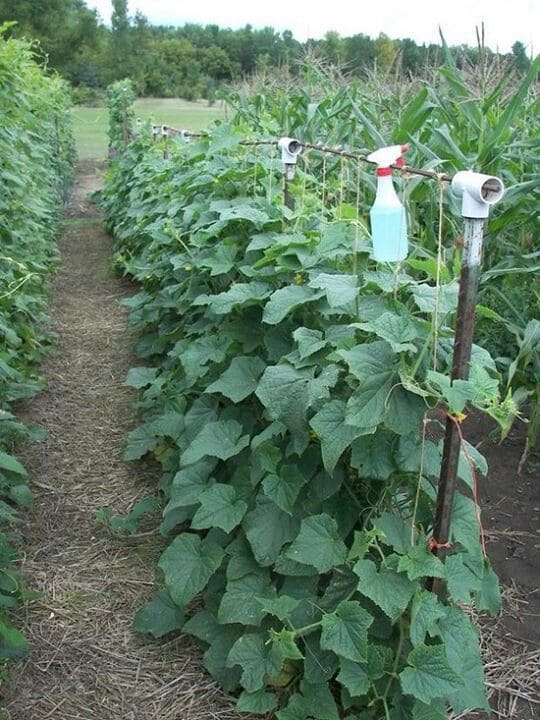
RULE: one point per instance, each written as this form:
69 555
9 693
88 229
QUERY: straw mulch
85 661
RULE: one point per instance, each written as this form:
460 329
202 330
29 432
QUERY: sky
505 21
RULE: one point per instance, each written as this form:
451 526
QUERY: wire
339 152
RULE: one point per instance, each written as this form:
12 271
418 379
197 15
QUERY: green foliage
67 30
193 61
37 152
299 493
120 99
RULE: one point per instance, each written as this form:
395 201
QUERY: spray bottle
388 218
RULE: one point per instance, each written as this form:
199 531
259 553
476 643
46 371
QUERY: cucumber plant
36 150
293 392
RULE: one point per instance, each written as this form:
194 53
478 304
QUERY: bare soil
510 511
86 663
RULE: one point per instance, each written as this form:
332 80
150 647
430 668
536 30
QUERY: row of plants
481 118
294 393
36 155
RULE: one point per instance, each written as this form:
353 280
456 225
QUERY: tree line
192 61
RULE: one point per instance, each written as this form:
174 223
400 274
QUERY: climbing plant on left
36 161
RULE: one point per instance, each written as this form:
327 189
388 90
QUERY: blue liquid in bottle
389 232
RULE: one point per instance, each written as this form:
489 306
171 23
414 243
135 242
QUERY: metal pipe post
468 289
288 199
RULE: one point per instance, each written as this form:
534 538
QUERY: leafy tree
122 62
333 47
411 56
521 60
385 51
66 29
359 53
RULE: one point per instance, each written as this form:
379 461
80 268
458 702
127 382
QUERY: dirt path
85 661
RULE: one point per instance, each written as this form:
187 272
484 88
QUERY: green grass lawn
90 123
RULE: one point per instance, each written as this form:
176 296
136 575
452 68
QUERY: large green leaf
345 631
426 610
188 564
420 562
428 298
318 543
397 330
373 455
397 532
215 658
259 702
239 294
285 299
159 617
220 507
388 589
373 364
315 702
140 441
428 675
257 660
283 488
221 439
240 379
357 677
11 464
284 391
267 529
139 377
353 677
309 341
13 644
241 602
282 607
189 483
340 290
335 435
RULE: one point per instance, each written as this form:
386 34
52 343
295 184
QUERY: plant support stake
478 193
290 150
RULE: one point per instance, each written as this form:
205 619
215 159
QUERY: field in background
90 123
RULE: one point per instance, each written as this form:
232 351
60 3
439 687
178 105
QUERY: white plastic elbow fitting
290 150
478 192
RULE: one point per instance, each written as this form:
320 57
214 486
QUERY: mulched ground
86 663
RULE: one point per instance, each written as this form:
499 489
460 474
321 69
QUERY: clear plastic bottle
388 217
388 221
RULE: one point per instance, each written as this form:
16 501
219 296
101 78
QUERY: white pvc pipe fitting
478 192
290 150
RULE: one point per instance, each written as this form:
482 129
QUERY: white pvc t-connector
478 192
290 150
